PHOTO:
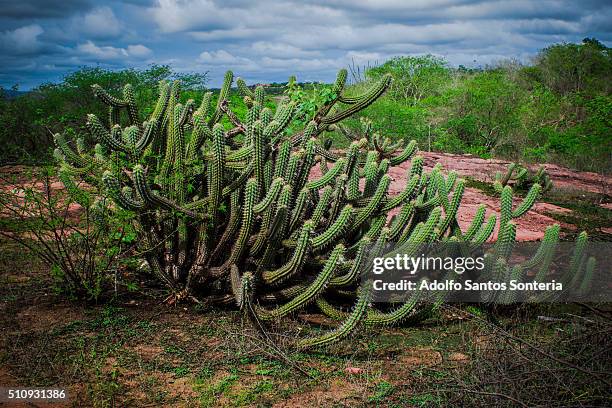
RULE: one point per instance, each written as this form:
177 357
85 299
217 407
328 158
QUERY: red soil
531 226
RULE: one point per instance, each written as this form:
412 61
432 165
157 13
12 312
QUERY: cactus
232 212
522 178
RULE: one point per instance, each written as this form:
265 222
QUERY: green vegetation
27 122
558 109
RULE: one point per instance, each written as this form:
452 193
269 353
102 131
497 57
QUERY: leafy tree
414 78
567 68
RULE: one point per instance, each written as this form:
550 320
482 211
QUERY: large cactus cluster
227 210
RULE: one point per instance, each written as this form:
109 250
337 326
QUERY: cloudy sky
267 40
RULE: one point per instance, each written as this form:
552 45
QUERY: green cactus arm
357 265
346 328
251 117
71 156
270 197
338 86
162 102
549 243
405 195
310 293
326 154
148 196
292 167
266 230
266 118
370 173
506 240
215 181
306 165
328 177
376 227
223 94
147 137
186 113
384 83
178 141
102 135
395 316
416 166
283 116
451 179
114 189
259 155
242 153
485 232
299 208
114 116
506 177
244 89
528 201
452 209
259 95
268 173
232 225
282 159
352 188
426 206
370 96
247 223
402 221
406 154
204 108
322 206
283 294
506 206
577 259
80 145
476 223
297 260
411 241
130 99
337 198
522 172
242 286
107 98
238 181
310 132
130 136
365 213
337 229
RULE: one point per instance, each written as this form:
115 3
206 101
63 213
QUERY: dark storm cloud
269 39
29 9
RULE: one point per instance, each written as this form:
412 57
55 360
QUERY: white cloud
23 40
173 16
113 53
222 57
101 22
139 51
